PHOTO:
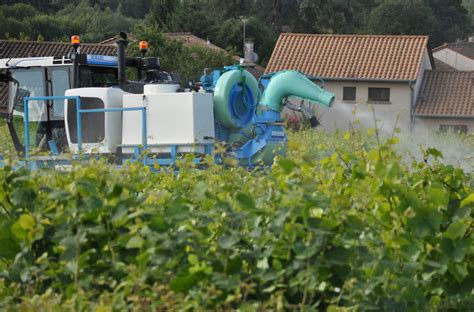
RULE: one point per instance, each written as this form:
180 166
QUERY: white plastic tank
160 88
184 120
101 132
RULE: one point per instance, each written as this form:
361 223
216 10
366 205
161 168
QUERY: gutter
430 55
412 105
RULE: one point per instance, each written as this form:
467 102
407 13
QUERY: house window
379 94
349 94
453 128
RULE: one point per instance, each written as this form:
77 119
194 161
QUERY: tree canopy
222 21
187 61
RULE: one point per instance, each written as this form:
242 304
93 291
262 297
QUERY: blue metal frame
111 110
35 164
268 130
79 112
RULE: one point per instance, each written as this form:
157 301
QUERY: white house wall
343 113
426 124
456 60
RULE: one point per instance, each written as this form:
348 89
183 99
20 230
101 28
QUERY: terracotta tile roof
18 49
109 40
192 40
186 37
350 56
464 48
446 94
442 66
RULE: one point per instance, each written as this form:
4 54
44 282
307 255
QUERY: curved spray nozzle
292 83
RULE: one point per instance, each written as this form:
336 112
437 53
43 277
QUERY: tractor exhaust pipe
122 44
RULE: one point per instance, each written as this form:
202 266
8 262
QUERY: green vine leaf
27 222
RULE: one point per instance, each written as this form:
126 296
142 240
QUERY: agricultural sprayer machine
82 106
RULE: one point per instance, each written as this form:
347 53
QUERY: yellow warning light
75 40
143 45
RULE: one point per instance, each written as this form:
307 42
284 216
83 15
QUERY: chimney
249 55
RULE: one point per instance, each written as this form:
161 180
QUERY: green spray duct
292 83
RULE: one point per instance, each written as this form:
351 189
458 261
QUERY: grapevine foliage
341 224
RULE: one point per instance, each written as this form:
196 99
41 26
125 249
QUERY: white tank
101 132
160 88
185 120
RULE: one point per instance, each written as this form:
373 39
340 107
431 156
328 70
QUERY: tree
46 27
161 11
135 8
469 5
221 21
442 20
188 61
402 17
192 16
15 23
93 23
452 21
